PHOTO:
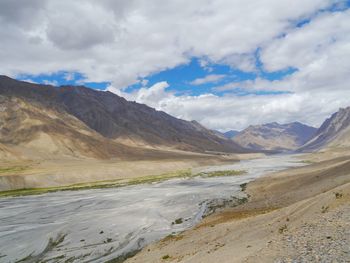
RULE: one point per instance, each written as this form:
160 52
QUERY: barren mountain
78 121
334 132
274 136
35 131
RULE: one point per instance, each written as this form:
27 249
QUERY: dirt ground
297 215
65 172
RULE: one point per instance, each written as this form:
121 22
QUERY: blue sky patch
62 78
181 77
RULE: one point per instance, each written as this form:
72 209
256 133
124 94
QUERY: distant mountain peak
274 136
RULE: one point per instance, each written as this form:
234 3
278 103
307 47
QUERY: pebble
326 240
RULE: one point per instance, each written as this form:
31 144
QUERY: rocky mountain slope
334 132
79 121
274 136
28 129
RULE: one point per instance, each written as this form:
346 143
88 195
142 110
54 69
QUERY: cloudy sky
224 63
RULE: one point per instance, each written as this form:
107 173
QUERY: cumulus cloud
123 42
231 111
212 78
21 13
94 26
153 94
320 51
50 82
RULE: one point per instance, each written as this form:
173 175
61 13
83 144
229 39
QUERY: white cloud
69 76
50 82
123 42
94 25
212 78
307 45
30 81
238 112
320 51
147 95
154 93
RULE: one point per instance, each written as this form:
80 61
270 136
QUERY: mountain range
333 133
43 121
78 121
274 136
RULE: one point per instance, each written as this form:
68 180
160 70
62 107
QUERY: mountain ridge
334 131
274 136
117 119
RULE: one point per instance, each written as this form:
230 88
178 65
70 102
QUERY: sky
225 63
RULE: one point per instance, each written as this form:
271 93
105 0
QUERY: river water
101 224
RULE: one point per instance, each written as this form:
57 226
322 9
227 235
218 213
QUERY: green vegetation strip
222 173
307 161
12 169
119 182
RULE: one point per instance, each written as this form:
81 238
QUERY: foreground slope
298 215
117 119
274 136
334 132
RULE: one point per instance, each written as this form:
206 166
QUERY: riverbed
102 224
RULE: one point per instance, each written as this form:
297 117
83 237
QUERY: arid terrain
126 218
298 215
175 131
66 172
275 136
91 143
57 139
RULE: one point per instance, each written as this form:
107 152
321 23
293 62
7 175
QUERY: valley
174 131
96 178
125 219
299 214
